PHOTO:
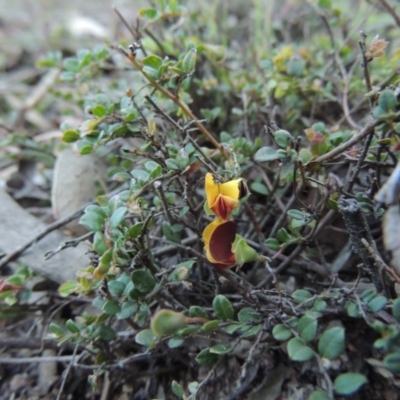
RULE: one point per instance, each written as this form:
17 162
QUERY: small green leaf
117 217
116 288
248 314
295 66
99 243
149 13
167 322
272 243
301 296
331 343
67 288
175 342
152 61
307 328
223 308
72 326
107 333
320 305
189 61
92 221
177 389
266 154
182 271
259 188
368 295
210 325
296 214
281 333
377 303
298 351
352 309
349 383
145 337
70 136
206 359
319 395
99 110
283 235
282 138
387 100
220 349
396 309
253 330
196 311
135 230
128 308
169 233
111 307
392 362
143 280
56 329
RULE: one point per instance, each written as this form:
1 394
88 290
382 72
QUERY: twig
29 360
205 380
185 109
50 228
380 262
357 227
159 189
367 78
67 244
344 146
391 11
66 373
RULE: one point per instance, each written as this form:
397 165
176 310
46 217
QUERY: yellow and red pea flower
224 249
218 237
223 198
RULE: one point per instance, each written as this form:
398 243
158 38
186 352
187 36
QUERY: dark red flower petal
221 242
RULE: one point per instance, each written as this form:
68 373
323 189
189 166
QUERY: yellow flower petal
212 190
231 189
209 230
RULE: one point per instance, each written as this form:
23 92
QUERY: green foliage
270 102
349 383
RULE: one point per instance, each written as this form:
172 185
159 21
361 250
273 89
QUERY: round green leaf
392 362
307 328
377 303
281 333
210 325
331 343
298 351
143 280
349 383
72 326
111 307
248 314
128 308
117 217
223 308
206 358
352 309
177 389
266 154
319 395
301 296
396 309
145 337
175 342
70 136
220 349
196 311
